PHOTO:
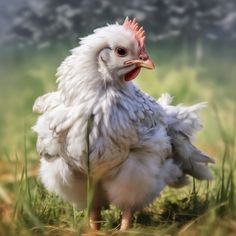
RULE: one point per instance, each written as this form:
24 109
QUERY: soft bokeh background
193 44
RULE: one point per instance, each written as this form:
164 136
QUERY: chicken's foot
126 218
95 219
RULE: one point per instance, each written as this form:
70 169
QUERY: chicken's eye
121 52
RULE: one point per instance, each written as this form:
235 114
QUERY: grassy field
203 208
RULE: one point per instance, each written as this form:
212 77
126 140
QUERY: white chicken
136 146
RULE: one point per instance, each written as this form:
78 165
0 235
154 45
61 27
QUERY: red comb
136 29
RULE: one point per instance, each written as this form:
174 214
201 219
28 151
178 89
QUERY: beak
142 63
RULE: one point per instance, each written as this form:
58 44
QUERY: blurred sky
32 21
8 11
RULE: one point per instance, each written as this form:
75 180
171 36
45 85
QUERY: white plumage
137 145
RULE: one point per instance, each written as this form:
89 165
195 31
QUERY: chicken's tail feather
182 118
183 122
190 159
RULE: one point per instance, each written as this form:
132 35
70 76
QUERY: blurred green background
193 45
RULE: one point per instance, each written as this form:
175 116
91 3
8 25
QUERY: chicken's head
125 54
119 50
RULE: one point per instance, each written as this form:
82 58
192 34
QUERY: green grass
203 208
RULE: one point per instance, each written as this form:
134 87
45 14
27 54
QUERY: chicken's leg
95 218
126 218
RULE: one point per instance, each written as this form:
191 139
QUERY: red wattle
132 74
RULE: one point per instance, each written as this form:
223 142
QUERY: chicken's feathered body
137 145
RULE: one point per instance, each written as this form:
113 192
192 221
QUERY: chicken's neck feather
80 79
